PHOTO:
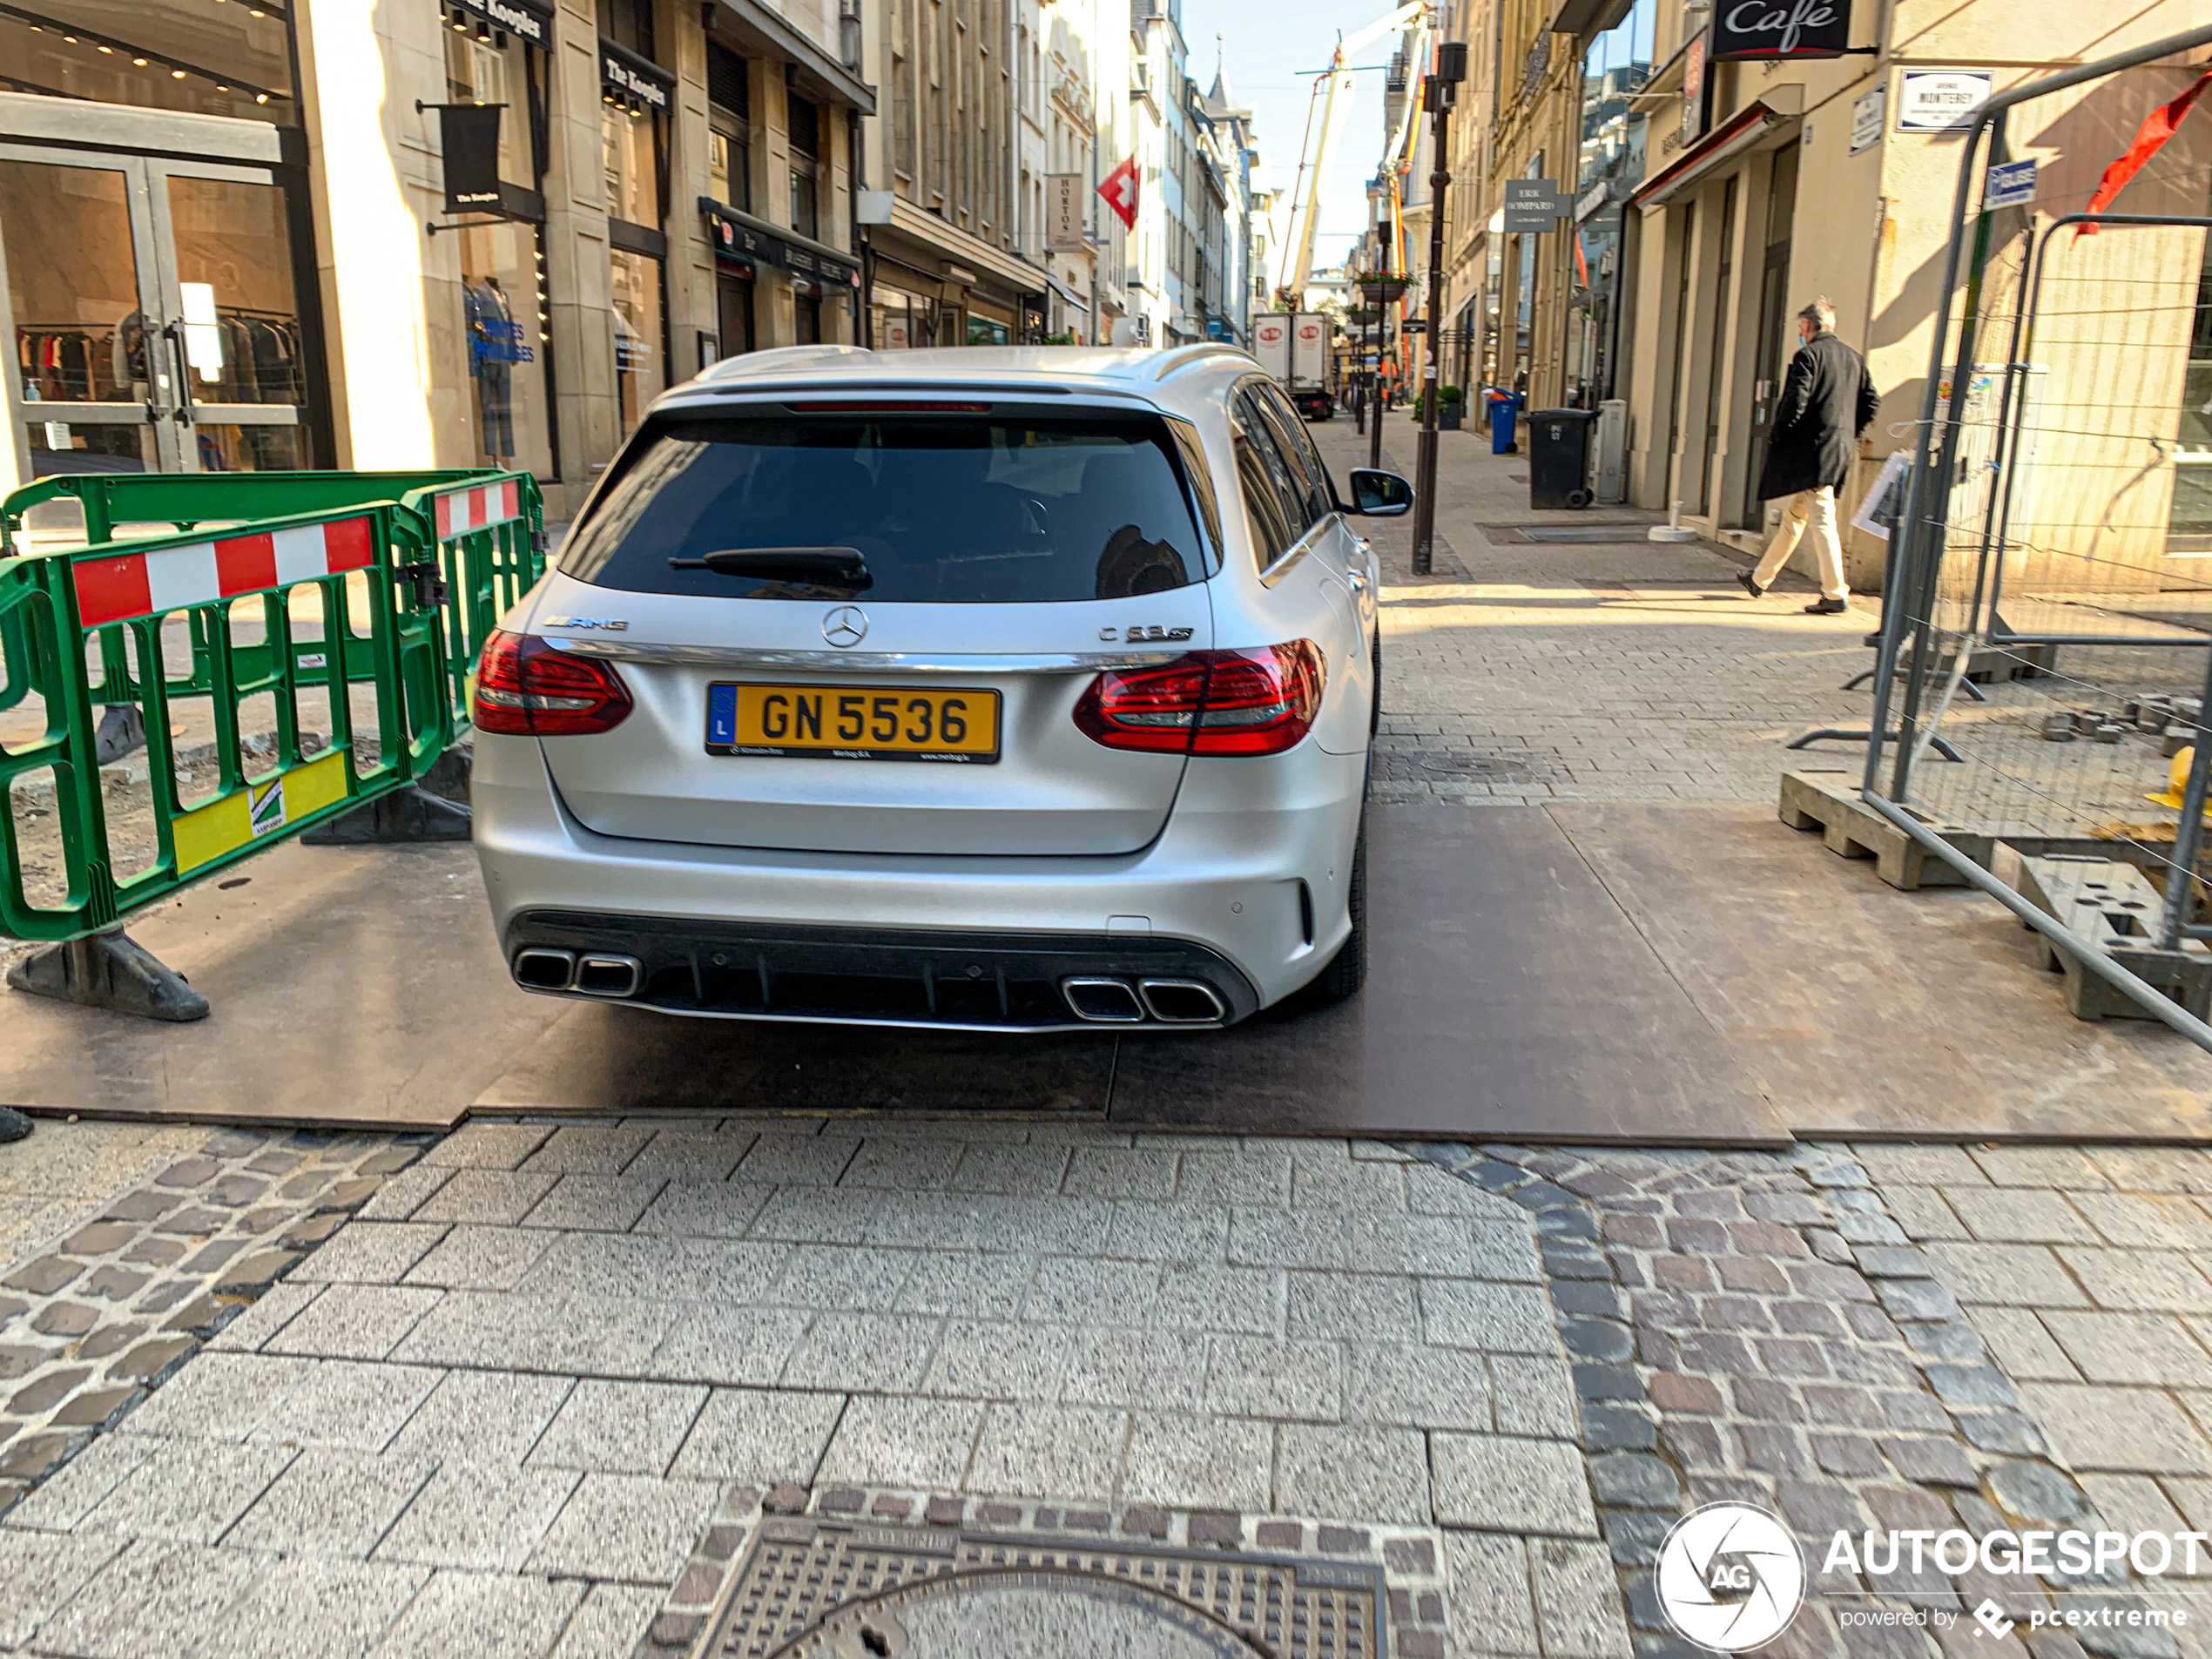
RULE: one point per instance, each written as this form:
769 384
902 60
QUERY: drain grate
828 1589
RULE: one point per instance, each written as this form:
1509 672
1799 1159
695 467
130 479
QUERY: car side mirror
1380 495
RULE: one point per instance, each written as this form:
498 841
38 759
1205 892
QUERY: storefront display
639 340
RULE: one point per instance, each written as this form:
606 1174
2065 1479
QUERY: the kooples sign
1781 29
628 78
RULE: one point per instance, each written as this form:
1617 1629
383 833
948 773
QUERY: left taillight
1258 702
528 688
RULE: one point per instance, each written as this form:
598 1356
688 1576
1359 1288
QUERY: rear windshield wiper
842 567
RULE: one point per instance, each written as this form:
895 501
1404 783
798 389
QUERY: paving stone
2144 1348
619 1427
338 1608
46 1390
843 1279
1029 1451
602 1203
989 1168
589 1148
480 1259
1491 1609
188 1492
2008 1274
1195 1462
481 1416
893 1443
1419 1386
1495 1317
495 1198
796 1160
624 1526
752 1435
374 1253
488 1145
1634 1481
693 1156
869 1351
2143 1280
479 1516
618 1266
344 1402
719 1209
2127 1430
45 1276
144 1596
1367 1307
722 1345
2039 1166
1256 1377
1147 1369
39 1573
1000 1361
2019 1216
1168 1232
219 1396
1577 1610
1374 1472
331 1502
1499 1483
481 1615
606 1625
401 1194
1116 1172
353 1322
2024 1347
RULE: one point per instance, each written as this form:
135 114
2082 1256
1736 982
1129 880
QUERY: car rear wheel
1347 969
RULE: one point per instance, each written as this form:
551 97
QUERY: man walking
1827 401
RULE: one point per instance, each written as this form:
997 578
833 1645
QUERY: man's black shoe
13 1125
1751 584
1827 608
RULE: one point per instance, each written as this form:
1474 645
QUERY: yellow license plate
853 722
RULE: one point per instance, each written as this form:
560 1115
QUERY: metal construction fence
284 647
2048 615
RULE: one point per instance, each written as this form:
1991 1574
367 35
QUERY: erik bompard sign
1781 29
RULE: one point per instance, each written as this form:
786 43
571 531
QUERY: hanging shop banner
468 136
627 78
1695 103
1063 212
527 21
1781 29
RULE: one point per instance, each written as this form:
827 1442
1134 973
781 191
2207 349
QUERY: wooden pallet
2114 908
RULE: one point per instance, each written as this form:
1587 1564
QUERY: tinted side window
1200 475
1296 492
1255 467
1290 422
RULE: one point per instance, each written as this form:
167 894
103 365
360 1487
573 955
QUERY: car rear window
989 508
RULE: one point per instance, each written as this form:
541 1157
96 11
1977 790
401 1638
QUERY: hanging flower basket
1381 286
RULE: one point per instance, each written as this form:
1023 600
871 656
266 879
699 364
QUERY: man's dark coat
1827 400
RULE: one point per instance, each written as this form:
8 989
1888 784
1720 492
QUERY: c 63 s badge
609 624
1143 635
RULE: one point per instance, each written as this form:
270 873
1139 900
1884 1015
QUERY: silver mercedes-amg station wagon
1007 689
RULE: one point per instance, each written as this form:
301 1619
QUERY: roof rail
1174 358
778 357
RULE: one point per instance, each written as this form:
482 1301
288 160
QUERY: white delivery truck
1293 346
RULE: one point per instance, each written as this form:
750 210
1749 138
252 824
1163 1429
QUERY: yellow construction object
2178 778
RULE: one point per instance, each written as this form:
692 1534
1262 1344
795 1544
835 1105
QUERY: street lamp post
1439 92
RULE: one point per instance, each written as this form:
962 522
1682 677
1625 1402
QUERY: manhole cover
831 1590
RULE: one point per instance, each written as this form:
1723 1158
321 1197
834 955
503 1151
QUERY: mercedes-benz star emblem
847 625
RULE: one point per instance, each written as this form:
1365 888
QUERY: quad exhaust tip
1170 1002
540 968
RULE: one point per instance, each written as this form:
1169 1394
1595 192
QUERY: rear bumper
876 976
1245 889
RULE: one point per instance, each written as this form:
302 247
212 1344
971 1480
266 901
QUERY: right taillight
528 688
1255 702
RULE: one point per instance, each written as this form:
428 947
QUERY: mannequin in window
491 353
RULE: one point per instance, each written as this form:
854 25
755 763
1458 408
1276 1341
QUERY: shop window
631 149
638 335
232 60
629 24
734 296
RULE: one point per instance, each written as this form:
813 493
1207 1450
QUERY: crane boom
1336 106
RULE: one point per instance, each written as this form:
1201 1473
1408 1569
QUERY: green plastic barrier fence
361 587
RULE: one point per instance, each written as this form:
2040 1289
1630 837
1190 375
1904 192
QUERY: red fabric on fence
2150 138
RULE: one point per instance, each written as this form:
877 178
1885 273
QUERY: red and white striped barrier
460 511
128 586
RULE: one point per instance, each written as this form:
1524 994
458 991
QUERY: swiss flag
1120 192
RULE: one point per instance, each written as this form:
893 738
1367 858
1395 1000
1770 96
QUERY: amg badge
611 624
1143 635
